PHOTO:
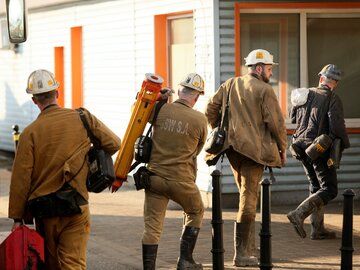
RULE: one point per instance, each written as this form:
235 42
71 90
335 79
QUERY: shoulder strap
157 109
324 116
95 141
224 121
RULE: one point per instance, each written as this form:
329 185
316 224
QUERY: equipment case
22 249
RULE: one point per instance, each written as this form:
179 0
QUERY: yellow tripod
144 105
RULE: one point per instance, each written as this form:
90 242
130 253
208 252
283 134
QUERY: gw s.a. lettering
176 126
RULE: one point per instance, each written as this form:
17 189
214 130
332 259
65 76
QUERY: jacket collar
51 105
183 102
325 87
255 76
48 109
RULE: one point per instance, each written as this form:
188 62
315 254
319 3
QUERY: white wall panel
118 49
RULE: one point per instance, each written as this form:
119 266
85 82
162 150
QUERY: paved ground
117 224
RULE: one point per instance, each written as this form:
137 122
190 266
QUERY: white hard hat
193 81
41 81
259 56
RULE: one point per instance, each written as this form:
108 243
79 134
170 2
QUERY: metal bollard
16 135
217 222
265 232
347 231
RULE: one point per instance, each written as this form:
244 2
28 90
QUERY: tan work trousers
66 240
247 174
157 198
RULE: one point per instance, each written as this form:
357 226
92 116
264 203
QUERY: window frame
161 35
303 9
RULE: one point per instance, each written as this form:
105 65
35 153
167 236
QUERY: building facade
100 52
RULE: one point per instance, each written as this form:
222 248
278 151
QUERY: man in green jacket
256 137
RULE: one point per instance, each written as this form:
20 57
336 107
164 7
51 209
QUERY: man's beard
264 78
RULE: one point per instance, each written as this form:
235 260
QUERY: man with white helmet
256 137
178 137
51 160
317 111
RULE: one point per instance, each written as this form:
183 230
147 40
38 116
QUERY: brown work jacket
256 126
52 150
179 135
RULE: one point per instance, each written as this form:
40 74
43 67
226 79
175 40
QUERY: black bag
142 150
215 141
216 138
143 144
335 154
101 174
142 178
62 203
297 152
319 146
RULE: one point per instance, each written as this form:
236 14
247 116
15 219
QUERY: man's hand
283 157
166 94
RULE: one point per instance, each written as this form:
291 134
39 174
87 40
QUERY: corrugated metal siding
291 184
291 179
226 32
118 49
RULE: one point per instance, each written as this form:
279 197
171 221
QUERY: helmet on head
259 56
41 81
193 81
332 72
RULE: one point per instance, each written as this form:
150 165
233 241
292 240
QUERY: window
181 49
174 47
278 34
303 37
323 36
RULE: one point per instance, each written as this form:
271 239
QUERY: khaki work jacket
52 150
256 126
179 135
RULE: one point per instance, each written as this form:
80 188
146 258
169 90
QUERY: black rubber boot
318 230
149 253
298 216
243 245
187 245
